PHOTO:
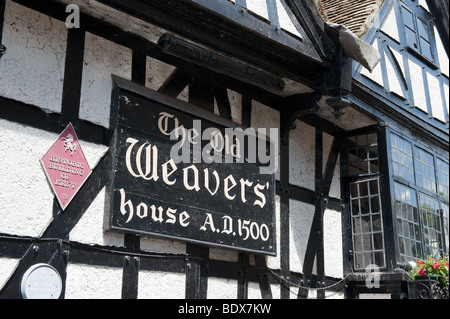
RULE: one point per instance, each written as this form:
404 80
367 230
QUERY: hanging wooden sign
178 173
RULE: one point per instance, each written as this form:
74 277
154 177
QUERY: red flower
420 263
421 271
436 265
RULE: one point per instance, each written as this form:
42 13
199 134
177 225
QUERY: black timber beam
368 101
314 247
314 26
440 12
231 29
185 69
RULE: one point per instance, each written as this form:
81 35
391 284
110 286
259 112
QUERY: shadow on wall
2 50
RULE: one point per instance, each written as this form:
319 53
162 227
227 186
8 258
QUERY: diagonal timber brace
315 241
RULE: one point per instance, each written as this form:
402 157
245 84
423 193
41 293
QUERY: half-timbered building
356 95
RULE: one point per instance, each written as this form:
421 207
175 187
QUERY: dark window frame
421 193
385 253
421 20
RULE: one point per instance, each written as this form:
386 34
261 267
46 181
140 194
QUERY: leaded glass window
402 158
429 210
424 168
420 198
407 222
363 155
442 177
367 224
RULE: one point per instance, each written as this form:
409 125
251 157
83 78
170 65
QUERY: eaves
231 30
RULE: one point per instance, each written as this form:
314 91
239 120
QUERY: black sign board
171 176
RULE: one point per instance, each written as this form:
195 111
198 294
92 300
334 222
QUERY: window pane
379 258
363 155
425 48
407 222
408 18
442 176
358 244
359 261
424 169
376 223
446 224
378 241
375 204
424 35
429 209
405 194
402 158
367 224
411 38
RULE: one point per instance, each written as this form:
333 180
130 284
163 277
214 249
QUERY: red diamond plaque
66 166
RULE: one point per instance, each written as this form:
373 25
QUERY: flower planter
426 287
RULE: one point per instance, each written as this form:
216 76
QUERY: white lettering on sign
167 215
228 147
158 214
174 179
191 175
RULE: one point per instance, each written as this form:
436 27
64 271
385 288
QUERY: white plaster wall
102 58
284 20
265 117
161 285
332 234
437 108
32 70
376 75
157 73
390 26
25 181
335 188
300 218
7 267
26 198
394 82
302 144
223 254
442 54
418 86
153 244
222 288
89 229
236 106
118 18
254 292
93 282
275 262
24 146
259 7
334 295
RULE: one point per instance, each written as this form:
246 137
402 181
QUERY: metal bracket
299 105
338 103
